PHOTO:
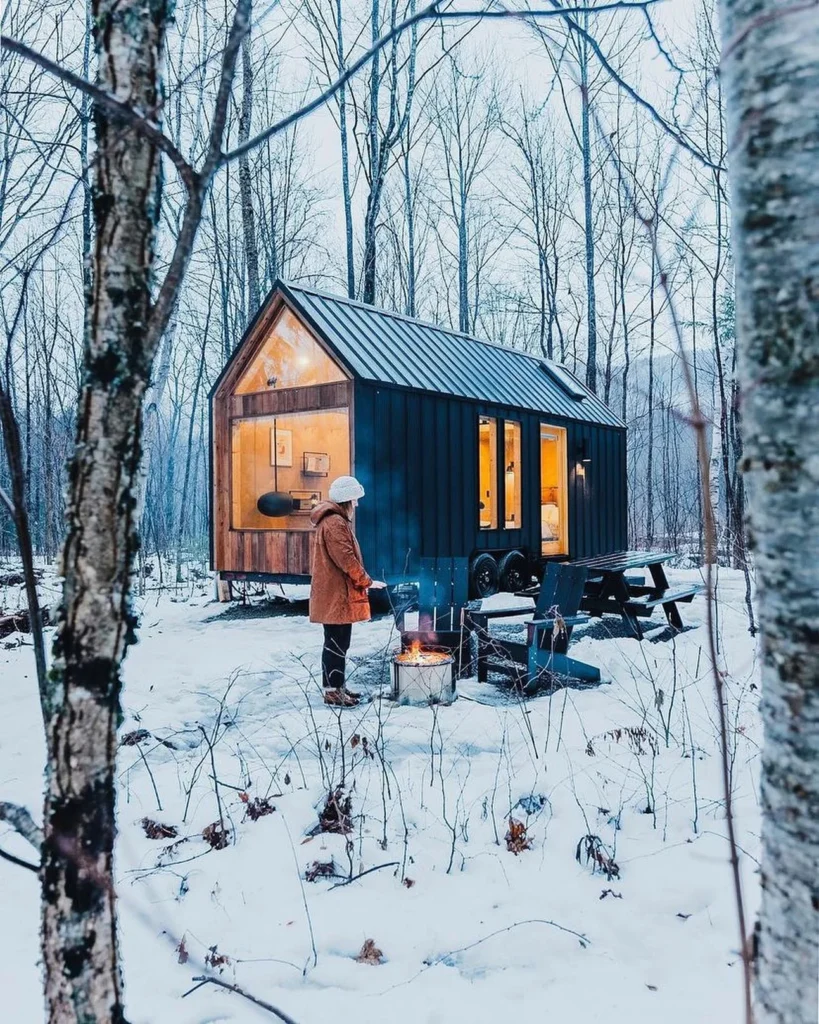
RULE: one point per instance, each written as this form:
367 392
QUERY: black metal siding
417 457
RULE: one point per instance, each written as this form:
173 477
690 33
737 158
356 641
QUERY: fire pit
422 676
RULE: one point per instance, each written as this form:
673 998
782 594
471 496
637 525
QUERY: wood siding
269 551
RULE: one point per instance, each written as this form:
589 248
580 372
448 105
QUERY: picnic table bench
610 590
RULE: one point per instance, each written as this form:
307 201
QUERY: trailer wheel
514 571
483 576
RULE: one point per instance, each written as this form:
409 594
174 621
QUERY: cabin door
554 533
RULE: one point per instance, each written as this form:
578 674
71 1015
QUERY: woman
338 594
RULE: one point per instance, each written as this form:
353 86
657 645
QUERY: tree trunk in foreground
79 926
771 74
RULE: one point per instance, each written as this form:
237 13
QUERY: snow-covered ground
469 931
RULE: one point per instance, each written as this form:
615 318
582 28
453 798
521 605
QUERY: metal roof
384 347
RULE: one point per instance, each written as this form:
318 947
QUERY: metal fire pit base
420 684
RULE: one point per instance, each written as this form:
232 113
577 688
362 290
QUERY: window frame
494 474
518 474
562 438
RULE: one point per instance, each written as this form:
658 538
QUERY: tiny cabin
464 447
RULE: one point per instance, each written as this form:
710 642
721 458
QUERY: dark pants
334 656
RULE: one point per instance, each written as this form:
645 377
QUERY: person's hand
378 585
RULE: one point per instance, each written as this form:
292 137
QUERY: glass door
554 534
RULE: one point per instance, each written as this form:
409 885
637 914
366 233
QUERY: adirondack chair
443 591
548 633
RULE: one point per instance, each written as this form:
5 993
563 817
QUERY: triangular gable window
290 357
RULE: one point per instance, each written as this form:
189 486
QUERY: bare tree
466 114
543 176
245 185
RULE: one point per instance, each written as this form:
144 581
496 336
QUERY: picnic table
610 590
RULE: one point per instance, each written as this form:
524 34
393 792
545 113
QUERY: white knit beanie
345 488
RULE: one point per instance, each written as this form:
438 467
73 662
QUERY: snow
477 935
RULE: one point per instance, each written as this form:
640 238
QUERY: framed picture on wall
315 464
304 501
281 447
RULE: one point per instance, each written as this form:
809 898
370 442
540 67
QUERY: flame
416 656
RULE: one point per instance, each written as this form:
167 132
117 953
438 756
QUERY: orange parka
338 593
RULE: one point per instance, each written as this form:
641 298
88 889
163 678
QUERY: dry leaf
216 836
336 815
216 959
256 808
320 869
595 853
131 739
156 830
516 839
370 954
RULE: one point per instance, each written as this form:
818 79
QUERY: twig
205 980
213 776
369 871
150 776
20 863
428 13
101 98
303 896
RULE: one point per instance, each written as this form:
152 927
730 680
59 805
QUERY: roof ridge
415 320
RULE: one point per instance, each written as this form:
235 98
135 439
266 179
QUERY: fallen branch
369 871
205 980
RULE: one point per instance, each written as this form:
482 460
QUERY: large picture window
553 526
512 474
488 473
295 457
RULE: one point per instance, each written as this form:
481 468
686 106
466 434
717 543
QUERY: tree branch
140 122
19 862
677 136
206 979
6 500
22 823
168 293
428 13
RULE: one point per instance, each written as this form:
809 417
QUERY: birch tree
771 76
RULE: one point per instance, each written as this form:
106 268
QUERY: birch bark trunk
771 75
246 187
79 925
